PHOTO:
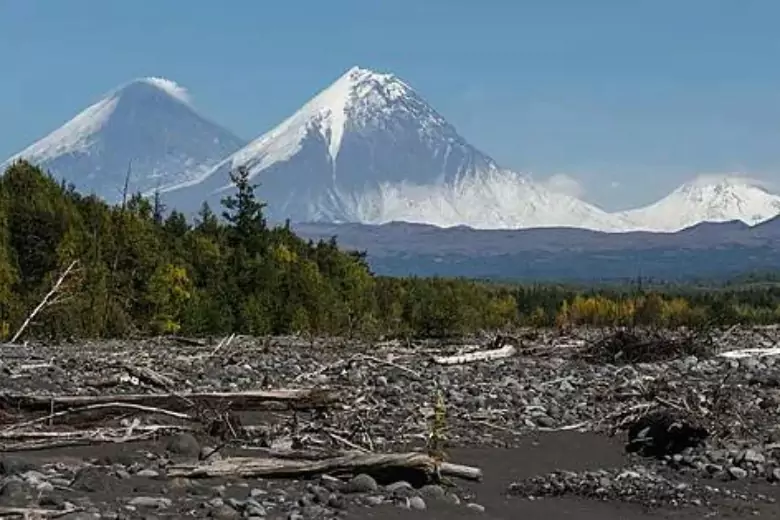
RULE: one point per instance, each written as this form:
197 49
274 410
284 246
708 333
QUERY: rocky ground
120 429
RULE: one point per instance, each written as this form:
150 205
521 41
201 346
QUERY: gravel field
534 426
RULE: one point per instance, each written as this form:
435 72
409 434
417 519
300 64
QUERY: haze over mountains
367 149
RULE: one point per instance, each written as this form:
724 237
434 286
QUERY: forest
84 268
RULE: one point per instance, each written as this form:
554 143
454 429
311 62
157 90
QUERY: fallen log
98 406
302 398
109 433
376 464
31 512
34 441
482 355
191 342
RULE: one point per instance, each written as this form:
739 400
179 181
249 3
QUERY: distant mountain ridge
708 198
367 149
703 251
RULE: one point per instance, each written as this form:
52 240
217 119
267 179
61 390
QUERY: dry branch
106 432
42 440
30 513
483 355
352 463
100 406
358 357
224 343
191 342
150 376
45 300
250 400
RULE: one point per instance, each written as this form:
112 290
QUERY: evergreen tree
243 211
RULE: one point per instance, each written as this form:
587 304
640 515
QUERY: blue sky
627 98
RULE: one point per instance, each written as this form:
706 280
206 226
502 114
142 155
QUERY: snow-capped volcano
147 125
708 198
370 149
366 149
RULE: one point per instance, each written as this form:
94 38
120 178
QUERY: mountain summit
370 149
365 130
148 125
708 198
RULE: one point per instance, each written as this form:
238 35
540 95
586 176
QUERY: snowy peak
78 134
708 198
361 100
352 141
713 187
148 123
357 95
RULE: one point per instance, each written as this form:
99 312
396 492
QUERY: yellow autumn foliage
650 309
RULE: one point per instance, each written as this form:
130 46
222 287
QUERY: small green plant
437 435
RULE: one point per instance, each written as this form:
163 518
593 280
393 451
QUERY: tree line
139 268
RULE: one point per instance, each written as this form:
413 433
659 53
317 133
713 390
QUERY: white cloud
566 184
171 87
736 177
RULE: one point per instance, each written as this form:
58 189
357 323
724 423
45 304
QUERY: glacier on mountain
148 126
493 200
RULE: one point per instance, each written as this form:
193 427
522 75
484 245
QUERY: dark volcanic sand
534 454
543 453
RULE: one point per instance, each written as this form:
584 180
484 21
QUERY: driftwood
360 357
350 463
482 355
104 432
751 352
150 376
250 400
191 342
46 440
99 406
31 513
224 343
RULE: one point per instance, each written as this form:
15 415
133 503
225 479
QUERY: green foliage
145 271
168 291
437 433
142 270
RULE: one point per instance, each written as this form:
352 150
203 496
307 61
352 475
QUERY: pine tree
243 211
